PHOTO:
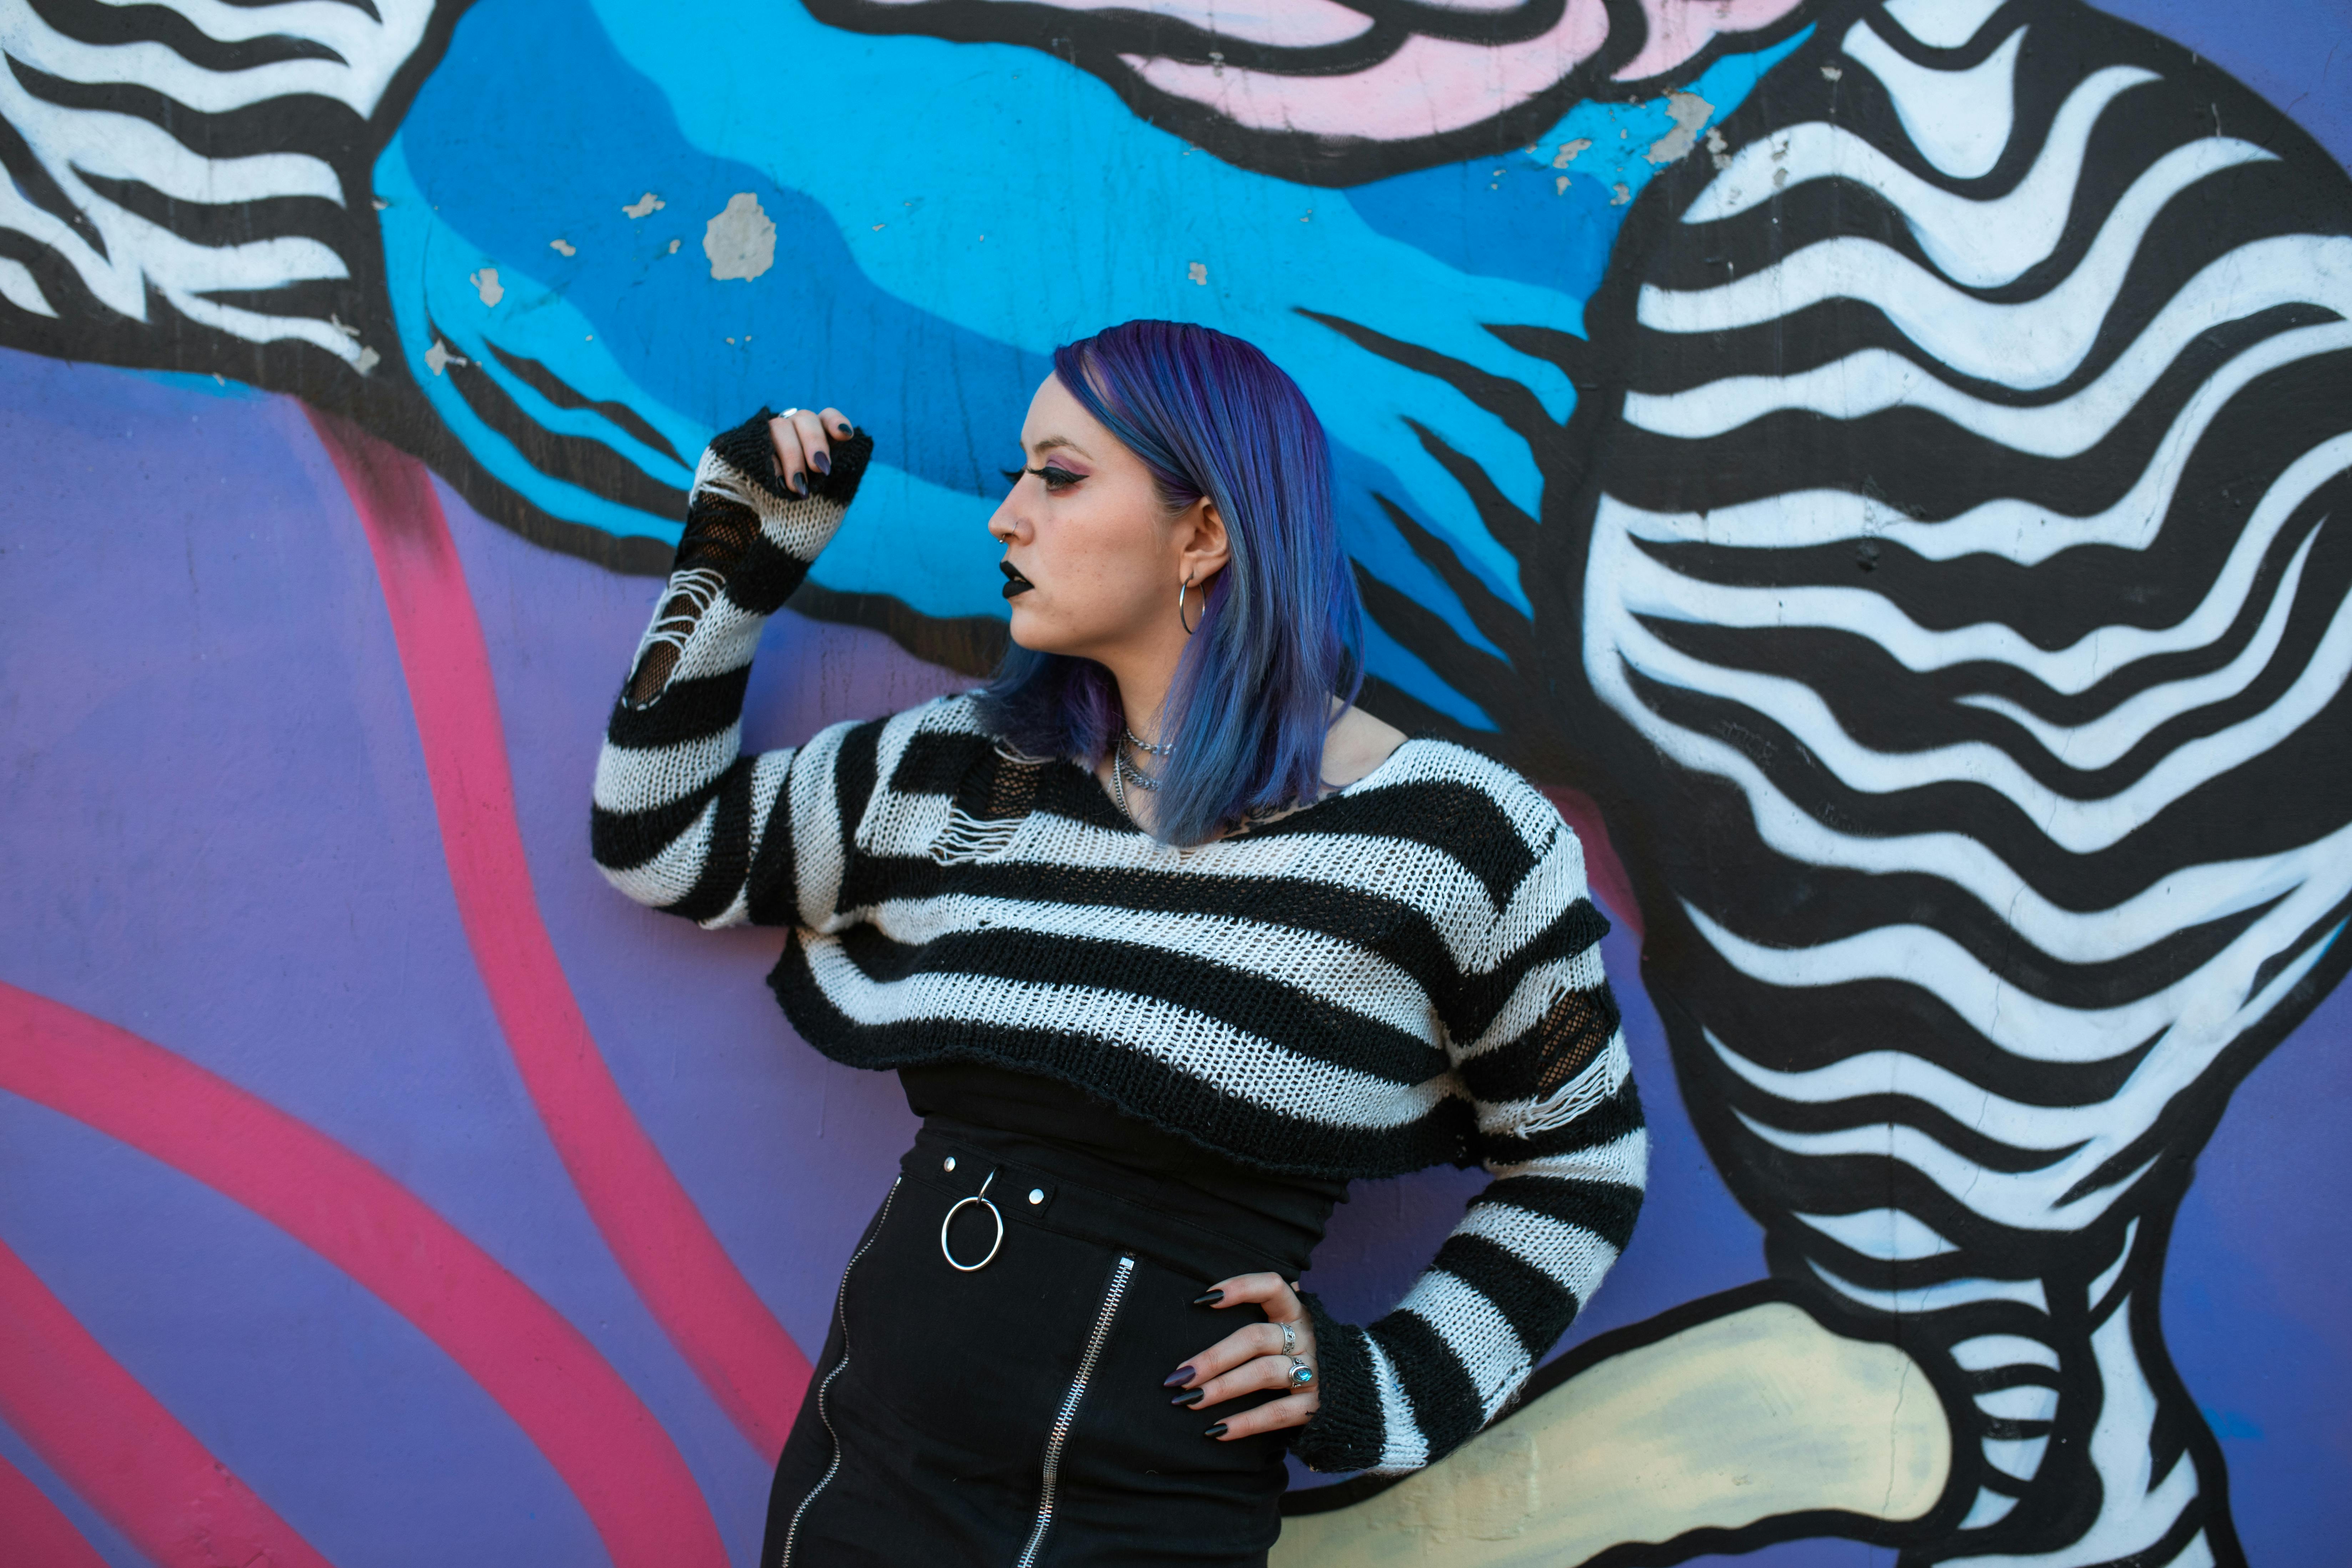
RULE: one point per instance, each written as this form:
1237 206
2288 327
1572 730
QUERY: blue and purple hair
1281 628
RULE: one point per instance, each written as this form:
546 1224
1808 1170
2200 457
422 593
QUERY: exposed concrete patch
562 247
1689 112
644 206
486 283
1718 148
438 357
1198 272
741 240
1569 149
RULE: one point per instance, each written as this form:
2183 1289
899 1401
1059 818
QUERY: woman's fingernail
1209 1299
820 462
1189 1398
799 484
847 428
1215 1432
1181 1374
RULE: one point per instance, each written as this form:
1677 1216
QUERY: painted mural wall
1883 468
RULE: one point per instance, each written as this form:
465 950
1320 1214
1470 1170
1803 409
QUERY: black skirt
1014 1413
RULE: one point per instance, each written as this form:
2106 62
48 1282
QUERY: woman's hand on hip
804 441
1253 1358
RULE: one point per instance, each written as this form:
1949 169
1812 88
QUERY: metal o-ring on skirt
990 1392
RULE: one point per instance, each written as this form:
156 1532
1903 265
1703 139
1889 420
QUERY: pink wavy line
37 1529
113 1444
702 1302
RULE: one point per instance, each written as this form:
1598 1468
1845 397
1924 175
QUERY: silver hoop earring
1181 587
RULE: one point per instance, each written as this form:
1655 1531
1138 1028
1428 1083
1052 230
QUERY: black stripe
773 888
1272 1009
728 861
623 840
691 709
89 22
561 393
1538 1307
1446 1403
1607 1209
1606 1123
1525 1069
1143 1086
936 762
1471 1008
853 770
1458 819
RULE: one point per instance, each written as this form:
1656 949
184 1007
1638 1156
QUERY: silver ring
1289 1338
788 412
979 1197
1301 1374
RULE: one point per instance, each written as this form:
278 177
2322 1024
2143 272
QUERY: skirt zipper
1059 1435
841 1297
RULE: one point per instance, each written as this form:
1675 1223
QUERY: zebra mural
1878 473
1963 647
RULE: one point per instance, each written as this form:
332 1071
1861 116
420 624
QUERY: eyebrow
1051 442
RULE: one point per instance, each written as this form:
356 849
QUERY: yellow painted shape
1759 1412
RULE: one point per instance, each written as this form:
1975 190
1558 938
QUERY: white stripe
1402 1446
1571 1254
768 778
1278 1078
1475 1329
1888 1234
1960 119
1570 1102
1624 1159
670 875
1532 997
819 858
630 778
1977 243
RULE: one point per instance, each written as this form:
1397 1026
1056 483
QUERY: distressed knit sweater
1404 973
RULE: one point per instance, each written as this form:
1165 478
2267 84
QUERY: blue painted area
1545 215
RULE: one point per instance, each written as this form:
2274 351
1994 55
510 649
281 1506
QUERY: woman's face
1098 557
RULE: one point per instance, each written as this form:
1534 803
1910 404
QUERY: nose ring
980 1197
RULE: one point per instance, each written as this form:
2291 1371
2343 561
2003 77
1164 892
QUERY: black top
967 1096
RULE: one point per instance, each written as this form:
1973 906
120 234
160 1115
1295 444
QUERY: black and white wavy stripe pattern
1973 553
204 155
1404 974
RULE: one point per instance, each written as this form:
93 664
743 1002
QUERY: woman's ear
1201 541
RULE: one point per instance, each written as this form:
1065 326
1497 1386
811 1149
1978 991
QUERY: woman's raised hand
1256 1356
803 440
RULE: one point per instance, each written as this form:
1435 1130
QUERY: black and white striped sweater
1403 974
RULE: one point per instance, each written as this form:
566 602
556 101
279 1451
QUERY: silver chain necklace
1122 771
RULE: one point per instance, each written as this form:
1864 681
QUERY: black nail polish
1181 1374
1214 1432
799 484
847 429
822 462
1209 1299
1189 1398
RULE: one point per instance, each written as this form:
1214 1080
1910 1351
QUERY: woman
1167 942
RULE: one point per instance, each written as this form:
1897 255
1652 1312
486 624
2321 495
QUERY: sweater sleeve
683 822
1537 1050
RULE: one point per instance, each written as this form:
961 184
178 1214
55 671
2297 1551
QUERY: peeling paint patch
1718 148
369 359
644 206
1832 73
1198 272
438 357
673 248
562 247
741 240
1689 112
486 283
1622 195
1569 149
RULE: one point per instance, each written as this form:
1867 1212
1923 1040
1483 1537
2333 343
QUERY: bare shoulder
1356 745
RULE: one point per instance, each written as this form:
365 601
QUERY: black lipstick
1015 584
